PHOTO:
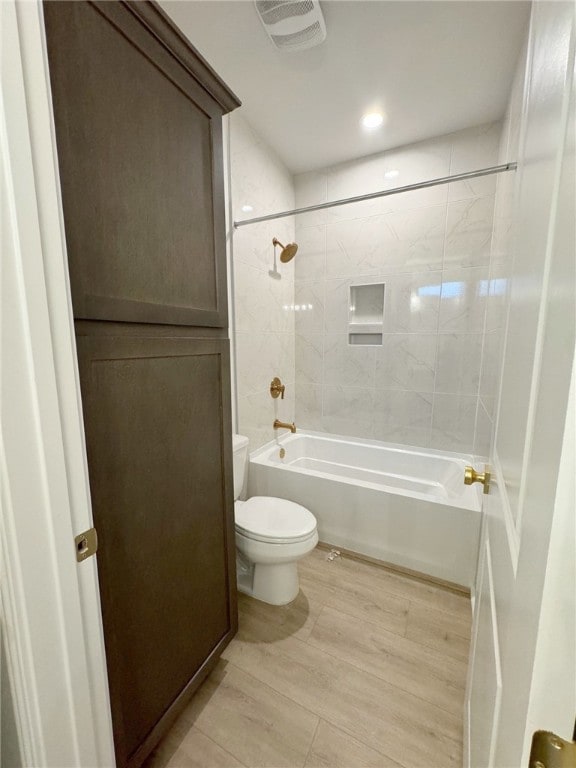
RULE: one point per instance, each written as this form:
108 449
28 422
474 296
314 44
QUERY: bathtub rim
474 492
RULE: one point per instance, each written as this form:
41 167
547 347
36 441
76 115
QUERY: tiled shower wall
500 265
263 296
431 248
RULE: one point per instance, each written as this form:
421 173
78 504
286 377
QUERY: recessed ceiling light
391 174
372 120
247 208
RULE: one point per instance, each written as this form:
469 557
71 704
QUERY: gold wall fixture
551 751
471 476
277 388
288 251
283 425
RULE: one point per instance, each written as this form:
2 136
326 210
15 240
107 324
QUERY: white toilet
271 536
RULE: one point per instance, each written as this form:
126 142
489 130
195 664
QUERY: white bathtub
405 506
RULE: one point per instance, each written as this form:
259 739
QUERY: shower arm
383 193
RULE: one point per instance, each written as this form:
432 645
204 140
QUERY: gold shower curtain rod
383 193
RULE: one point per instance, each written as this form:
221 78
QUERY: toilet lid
267 518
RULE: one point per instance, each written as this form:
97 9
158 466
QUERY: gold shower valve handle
277 388
471 476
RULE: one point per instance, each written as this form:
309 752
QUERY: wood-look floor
365 669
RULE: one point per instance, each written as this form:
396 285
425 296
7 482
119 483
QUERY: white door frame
50 612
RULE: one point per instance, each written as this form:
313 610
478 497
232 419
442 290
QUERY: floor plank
440 630
358 599
194 750
256 724
429 674
296 619
332 748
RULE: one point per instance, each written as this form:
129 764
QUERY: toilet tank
240 449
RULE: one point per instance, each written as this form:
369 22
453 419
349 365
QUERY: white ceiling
433 67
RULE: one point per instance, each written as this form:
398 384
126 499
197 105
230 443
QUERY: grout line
220 746
341 731
320 612
311 742
274 690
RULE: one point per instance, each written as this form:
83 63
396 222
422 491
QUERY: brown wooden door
138 129
158 433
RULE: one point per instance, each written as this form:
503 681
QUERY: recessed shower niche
366 314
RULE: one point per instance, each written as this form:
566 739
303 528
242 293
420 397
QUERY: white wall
431 248
263 303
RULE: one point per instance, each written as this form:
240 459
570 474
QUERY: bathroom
391 373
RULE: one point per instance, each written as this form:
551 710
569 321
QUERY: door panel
158 438
140 155
527 452
487 679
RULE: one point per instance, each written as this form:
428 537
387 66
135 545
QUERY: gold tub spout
283 425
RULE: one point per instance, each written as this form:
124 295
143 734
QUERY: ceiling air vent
292 25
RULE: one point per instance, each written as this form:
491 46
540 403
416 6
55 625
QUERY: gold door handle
471 476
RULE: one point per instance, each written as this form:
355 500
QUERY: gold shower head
288 251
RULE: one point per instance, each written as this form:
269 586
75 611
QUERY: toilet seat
275 521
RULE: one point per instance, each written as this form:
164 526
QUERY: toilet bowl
272 534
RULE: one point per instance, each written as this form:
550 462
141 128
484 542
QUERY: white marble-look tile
402 417
413 240
311 189
258 177
414 163
309 406
412 302
504 219
498 295
347 410
251 362
514 111
310 261
253 246
472 149
355 247
491 369
347 365
463 299
309 307
262 356
255 418
469 232
262 303
459 360
337 306
483 433
406 361
277 296
357 177
252 303
309 358
453 422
